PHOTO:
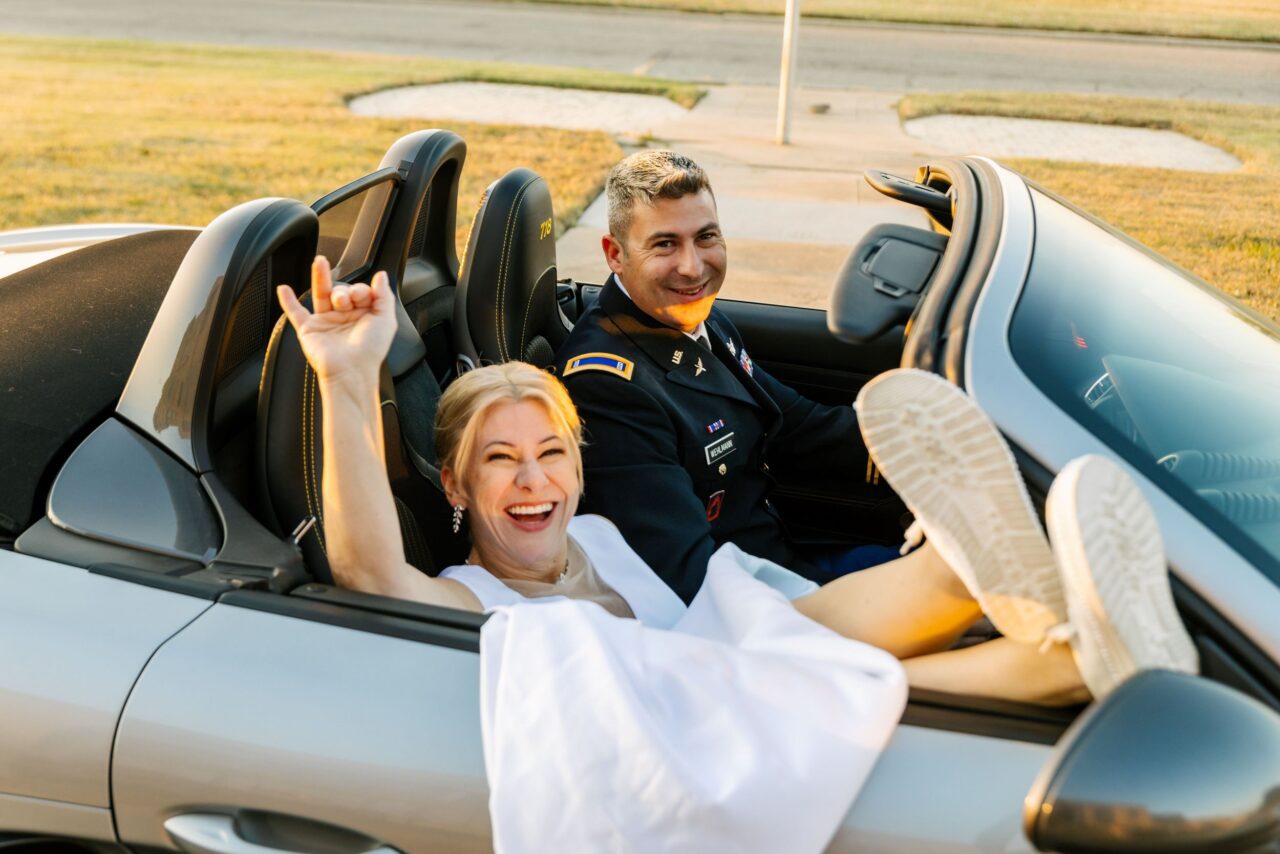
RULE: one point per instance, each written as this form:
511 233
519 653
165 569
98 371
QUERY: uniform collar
685 361
701 331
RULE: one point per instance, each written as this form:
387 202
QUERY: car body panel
936 791
27 247
38 817
249 709
252 710
75 643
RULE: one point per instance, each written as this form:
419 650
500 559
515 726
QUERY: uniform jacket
683 446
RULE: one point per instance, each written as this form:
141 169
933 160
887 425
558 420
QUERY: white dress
618 565
733 725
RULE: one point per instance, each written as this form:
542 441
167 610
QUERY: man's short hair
646 176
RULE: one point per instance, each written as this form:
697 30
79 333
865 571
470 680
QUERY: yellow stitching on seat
271 342
499 319
524 324
310 480
315 468
466 247
504 266
302 418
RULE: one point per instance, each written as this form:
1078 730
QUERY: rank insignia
715 425
698 369
713 506
745 361
606 362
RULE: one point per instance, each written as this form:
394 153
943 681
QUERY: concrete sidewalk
791 214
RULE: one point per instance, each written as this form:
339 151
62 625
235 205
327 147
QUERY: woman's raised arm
345 340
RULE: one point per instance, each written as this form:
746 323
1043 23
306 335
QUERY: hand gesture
351 328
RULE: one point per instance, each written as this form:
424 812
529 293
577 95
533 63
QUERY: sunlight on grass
116 131
1223 19
1223 228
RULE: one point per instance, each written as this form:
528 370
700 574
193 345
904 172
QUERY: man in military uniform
685 434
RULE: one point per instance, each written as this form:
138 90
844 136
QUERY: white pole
790 26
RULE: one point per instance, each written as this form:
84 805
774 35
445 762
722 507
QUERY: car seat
291 457
506 308
416 249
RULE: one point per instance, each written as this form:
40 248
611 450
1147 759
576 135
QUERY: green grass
1253 20
100 131
1225 228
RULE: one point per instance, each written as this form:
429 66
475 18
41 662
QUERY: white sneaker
951 466
1107 541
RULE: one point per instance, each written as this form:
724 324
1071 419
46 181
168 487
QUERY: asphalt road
709 48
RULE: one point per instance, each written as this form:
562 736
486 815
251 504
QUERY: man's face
672 260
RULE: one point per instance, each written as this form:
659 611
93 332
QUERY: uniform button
724 469
764 467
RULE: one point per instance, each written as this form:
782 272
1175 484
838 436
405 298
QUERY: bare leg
1004 669
909 607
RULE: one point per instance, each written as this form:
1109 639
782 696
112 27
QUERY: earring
457 518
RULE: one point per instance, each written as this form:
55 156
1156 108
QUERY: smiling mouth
689 293
531 515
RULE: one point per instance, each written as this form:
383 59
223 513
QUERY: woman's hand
351 328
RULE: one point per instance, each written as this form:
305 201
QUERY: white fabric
746 727
617 564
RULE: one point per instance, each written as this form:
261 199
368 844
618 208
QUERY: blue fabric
833 564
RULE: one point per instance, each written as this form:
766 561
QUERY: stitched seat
506 306
416 250
291 457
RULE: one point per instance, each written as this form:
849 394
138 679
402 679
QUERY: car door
297 723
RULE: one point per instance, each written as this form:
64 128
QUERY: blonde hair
646 176
470 396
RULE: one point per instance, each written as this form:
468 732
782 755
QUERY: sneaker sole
1107 542
952 468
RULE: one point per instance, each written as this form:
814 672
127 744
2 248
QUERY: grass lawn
1220 19
1222 227
98 131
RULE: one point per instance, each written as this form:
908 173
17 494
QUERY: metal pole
790 26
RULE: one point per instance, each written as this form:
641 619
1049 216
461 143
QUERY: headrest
506 308
214 322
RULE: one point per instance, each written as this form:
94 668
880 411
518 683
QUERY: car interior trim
921 349
986 245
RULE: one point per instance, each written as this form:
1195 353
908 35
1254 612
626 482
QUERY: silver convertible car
178 671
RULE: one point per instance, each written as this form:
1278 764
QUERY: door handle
214 833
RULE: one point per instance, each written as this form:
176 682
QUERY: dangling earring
457 518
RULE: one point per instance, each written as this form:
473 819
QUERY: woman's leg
1003 669
909 607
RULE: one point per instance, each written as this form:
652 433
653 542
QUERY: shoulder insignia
606 362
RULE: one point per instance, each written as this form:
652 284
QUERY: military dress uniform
683 444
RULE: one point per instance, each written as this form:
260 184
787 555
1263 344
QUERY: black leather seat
416 249
291 457
506 308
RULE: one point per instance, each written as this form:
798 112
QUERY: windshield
1172 375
